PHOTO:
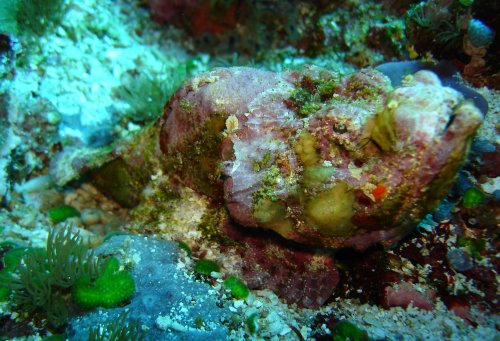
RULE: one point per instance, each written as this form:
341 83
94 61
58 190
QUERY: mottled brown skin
321 159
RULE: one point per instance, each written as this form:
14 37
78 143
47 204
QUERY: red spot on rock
460 308
379 192
404 294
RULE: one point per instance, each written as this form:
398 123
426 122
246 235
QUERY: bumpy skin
303 276
321 159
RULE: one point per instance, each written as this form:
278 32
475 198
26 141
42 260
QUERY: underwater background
249 170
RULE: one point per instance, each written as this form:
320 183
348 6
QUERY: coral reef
166 299
286 190
321 159
44 276
112 288
255 29
458 31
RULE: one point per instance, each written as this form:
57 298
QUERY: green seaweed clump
473 197
345 330
30 17
61 213
44 277
185 247
119 328
238 289
110 289
466 3
11 260
4 293
251 323
206 266
473 246
310 93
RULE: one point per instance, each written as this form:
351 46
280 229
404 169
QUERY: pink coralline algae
322 159
404 294
197 16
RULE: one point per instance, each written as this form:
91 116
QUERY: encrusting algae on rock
364 165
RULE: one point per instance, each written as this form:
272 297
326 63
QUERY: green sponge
345 330
12 258
61 213
109 290
473 197
238 289
206 267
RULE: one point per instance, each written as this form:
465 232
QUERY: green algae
61 213
263 163
183 246
473 246
42 279
4 293
345 330
267 186
466 3
108 290
473 197
12 259
206 266
310 94
238 288
251 323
